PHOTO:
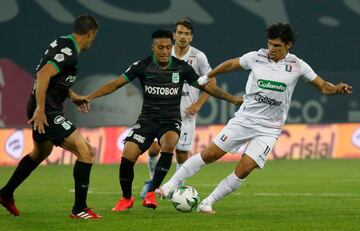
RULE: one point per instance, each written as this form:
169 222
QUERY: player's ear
289 45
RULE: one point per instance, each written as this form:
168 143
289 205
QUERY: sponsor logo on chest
271 85
161 90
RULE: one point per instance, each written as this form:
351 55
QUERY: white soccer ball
185 199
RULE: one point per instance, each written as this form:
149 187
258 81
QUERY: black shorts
59 128
144 132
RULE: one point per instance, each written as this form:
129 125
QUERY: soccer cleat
86 213
9 204
145 188
150 200
205 208
123 204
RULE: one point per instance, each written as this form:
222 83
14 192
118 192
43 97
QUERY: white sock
188 168
178 166
225 187
152 161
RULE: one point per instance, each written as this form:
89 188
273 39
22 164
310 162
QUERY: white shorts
186 134
236 134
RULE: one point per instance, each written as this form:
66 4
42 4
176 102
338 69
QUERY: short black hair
282 31
186 23
161 33
84 24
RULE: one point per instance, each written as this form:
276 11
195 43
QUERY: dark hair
161 33
282 31
186 23
84 24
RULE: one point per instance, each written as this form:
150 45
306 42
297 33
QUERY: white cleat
163 194
166 191
205 208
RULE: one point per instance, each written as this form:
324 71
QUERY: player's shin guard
162 167
225 187
81 175
23 170
126 176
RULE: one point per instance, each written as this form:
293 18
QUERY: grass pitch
285 195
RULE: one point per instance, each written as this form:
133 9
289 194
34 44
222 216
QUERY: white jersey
198 60
270 87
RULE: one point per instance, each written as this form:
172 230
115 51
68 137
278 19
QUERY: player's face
183 36
278 49
90 36
161 48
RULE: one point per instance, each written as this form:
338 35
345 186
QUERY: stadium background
327 40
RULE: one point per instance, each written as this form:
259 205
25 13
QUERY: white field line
268 194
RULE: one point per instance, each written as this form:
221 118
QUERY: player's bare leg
78 145
26 165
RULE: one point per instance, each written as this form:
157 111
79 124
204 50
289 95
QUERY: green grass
285 195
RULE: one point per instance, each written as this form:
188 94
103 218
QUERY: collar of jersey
156 62
70 36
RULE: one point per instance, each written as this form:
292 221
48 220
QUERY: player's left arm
328 88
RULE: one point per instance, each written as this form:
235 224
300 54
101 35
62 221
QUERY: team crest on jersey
175 77
288 68
67 51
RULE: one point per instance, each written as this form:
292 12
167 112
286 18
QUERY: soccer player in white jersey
258 122
191 102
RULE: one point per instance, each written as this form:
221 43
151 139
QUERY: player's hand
193 109
39 120
343 88
82 102
203 80
238 100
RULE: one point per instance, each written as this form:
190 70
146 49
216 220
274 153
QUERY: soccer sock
189 168
152 160
126 176
161 169
225 187
81 173
23 170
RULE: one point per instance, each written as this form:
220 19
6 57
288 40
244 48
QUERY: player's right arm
42 82
109 87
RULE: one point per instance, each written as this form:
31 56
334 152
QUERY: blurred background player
161 77
271 82
56 73
191 102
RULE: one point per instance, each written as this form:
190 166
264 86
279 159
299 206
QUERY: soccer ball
185 199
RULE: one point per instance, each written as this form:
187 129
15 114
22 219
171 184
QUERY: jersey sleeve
204 66
61 55
133 70
246 61
189 74
306 71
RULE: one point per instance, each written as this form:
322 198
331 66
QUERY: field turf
285 195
